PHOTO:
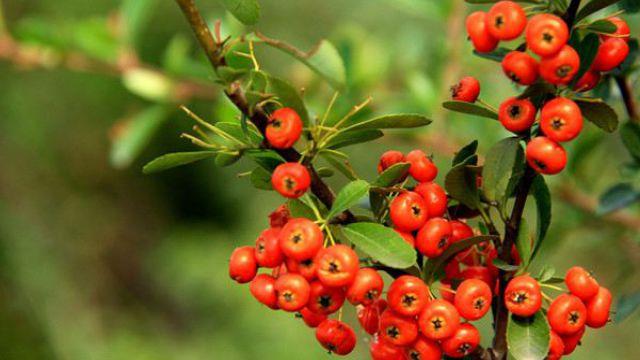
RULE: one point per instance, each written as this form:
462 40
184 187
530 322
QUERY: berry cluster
547 36
585 304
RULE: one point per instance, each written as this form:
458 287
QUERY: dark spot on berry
563 71
557 123
324 301
546 37
437 323
478 304
408 300
515 111
334 267
393 332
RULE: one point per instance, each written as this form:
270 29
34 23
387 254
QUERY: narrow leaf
592 7
169 161
542 195
627 304
261 179
470 109
617 197
464 153
504 165
497 55
341 164
630 134
383 244
395 121
348 138
348 197
523 243
392 175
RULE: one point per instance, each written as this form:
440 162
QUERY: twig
627 98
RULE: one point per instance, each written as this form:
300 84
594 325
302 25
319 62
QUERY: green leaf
630 134
227 158
267 159
347 138
600 114
626 305
135 15
538 93
382 243
630 6
617 197
149 84
433 266
496 55
341 164
461 184
288 95
325 172
172 160
324 60
588 49
348 197
528 338
229 74
602 26
503 166
395 121
546 273
542 195
523 243
464 153
470 109
94 38
137 135
246 11
502 265
298 209
252 135
261 179
592 7
392 175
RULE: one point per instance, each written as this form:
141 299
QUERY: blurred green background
101 262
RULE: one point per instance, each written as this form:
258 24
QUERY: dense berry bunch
545 56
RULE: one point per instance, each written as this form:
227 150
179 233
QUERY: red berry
611 53
293 292
434 237
291 180
467 90
306 268
523 296
243 265
567 314
572 341
439 320
408 295
517 115
560 68
506 20
546 156
460 231
337 265
622 29
301 239
366 287
382 350
279 217
311 318
546 34
473 299
463 342
478 272
581 284
422 168
336 336
424 349
435 197
588 81
284 128
598 308
452 269
561 120
389 159
556 346
408 211
369 316
263 289
446 291
478 32
268 253
407 237
323 299
520 67
396 329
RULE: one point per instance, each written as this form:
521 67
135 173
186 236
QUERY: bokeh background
98 261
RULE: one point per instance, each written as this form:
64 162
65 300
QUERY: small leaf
137 134
528 338
261 179
267 159
235 129
348 197
298 209
395 121
229 74
464 153
246 11
603 26
348 138
288 95
592 7
542 195
626 305
503 166
461 184
497 55
600 114
325 172
546 273
383 244
341 164
172 160
500 264
471 109
630 134
617 197
227 158
392 175
523 243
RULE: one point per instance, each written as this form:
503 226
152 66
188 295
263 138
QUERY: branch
627 97
257 116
